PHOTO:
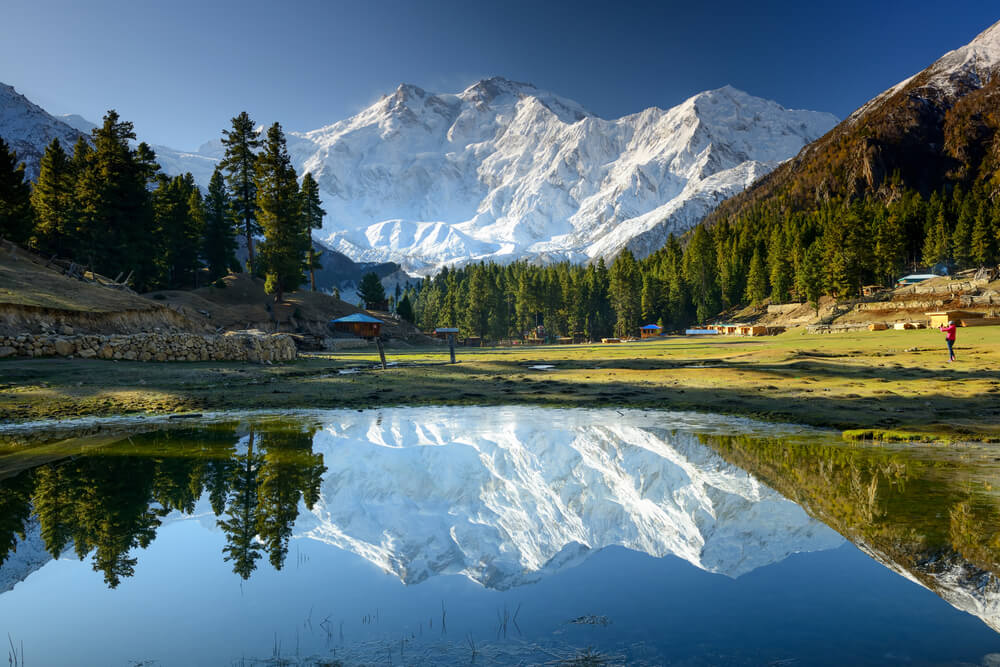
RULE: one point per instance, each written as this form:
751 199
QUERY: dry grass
891 382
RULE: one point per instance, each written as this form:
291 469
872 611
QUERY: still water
494 536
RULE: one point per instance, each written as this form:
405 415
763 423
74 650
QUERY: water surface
495 536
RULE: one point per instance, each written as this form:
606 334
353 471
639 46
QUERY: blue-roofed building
359 324
650 330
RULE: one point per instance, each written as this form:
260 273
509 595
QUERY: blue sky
181 69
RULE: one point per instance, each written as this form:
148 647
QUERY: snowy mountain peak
28 129
504 170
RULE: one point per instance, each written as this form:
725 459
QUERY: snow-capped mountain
28 129
926 132
504 170
504 496
954 74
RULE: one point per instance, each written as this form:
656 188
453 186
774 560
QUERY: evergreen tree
700 273
16 216
756 280
219 245
116 222
179 226
405 308
981 247
312 211
52 200
240 164
279 210
370 290
812 275
652 297
625 292
779 261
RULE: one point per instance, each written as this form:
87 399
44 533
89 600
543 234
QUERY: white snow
504 495
28 129
974 64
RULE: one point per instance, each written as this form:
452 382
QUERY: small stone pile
153 347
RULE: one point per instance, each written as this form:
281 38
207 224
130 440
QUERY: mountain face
506 496
937 127
28 129
504 171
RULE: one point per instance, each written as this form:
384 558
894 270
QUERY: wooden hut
650 331
359 324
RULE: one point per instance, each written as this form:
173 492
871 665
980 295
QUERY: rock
7 351
64 348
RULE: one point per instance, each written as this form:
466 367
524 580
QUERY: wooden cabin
650 331
359 324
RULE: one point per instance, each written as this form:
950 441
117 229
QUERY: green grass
881 384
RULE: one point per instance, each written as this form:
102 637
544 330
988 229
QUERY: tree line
107 205
769 253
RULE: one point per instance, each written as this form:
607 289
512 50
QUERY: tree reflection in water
928 511
110 500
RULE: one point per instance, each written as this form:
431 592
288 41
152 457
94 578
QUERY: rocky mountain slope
936 127
28 129
503 170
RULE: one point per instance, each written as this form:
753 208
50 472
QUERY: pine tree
700 273
179 226
370 290
16 216
240 164
219 245
116 223
756 280
812 275
405 308
625 292
982 242
52 200
780 267
279 210
312 211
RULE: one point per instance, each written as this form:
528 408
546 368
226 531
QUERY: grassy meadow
882 385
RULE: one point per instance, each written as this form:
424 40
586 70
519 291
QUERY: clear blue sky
181 69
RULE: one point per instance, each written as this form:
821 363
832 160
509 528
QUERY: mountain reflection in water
508 496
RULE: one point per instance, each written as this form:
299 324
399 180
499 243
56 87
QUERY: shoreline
869 385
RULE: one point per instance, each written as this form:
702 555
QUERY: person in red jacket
949 337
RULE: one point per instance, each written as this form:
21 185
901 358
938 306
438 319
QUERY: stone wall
153 347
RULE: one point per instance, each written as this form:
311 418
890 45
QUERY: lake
493 536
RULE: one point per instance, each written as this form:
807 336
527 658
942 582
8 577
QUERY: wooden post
451 346
381 350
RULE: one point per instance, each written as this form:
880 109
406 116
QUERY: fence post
381 350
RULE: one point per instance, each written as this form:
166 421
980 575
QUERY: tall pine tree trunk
249 248
312 271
